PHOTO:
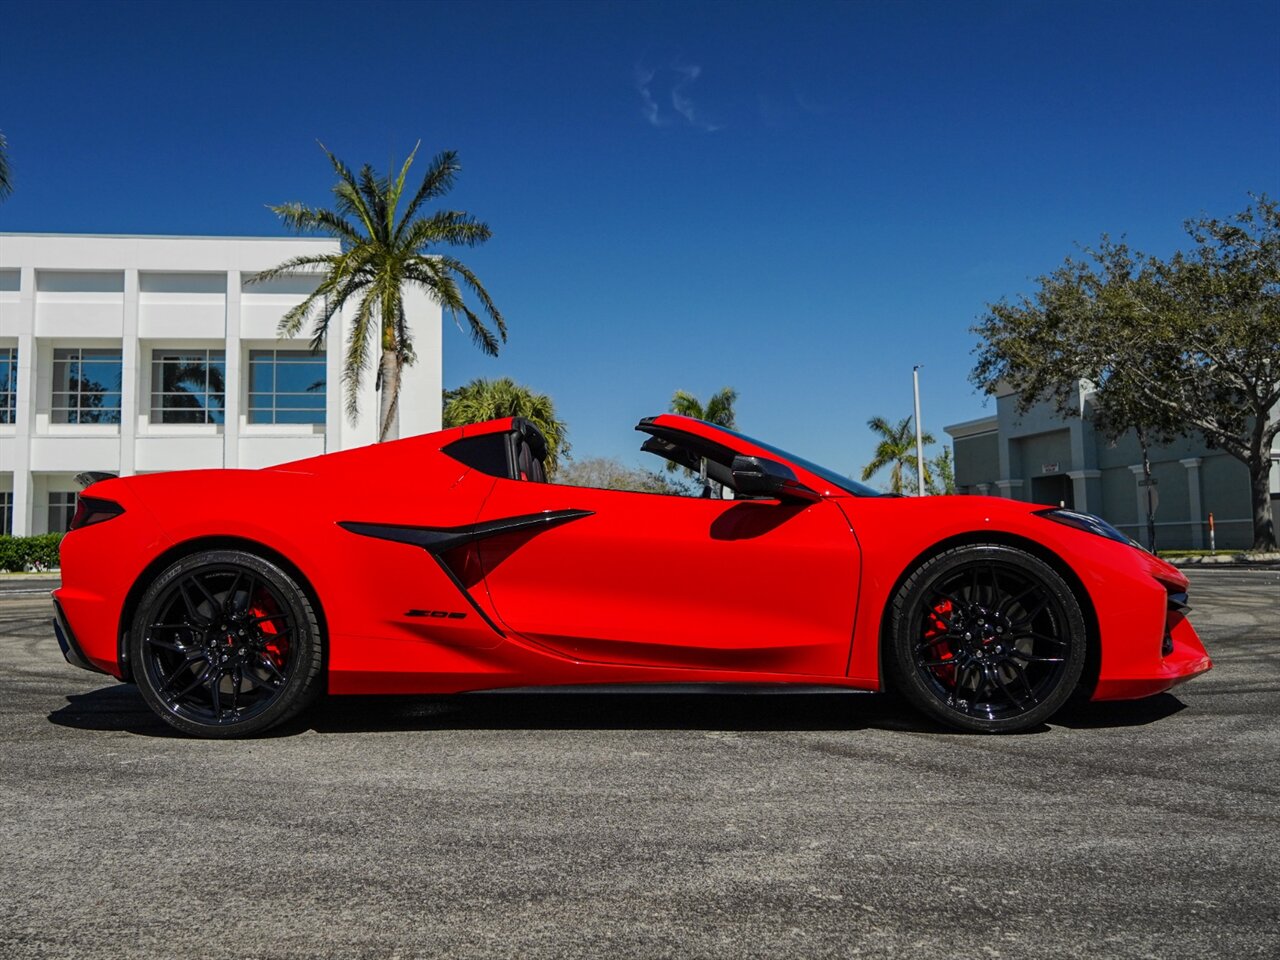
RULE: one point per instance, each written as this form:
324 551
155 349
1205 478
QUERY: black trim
438 541
90 477
67 640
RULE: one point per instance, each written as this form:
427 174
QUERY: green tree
482 400
6 173
896 449
719 409
943 468
1171 347
382 252
608 473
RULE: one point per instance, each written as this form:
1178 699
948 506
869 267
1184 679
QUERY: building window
62 507
8 384
86 385
6 513
286 386
188 386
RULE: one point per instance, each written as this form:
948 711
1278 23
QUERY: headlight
1089 524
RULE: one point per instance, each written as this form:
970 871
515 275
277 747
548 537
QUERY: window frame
207 394
268 415
9 386
66 411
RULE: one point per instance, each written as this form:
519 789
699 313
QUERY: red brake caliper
277 646
937 622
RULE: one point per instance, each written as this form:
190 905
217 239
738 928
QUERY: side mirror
762 477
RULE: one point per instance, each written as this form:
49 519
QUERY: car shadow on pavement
121 707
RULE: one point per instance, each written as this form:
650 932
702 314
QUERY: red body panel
640 588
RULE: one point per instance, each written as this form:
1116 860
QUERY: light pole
915 378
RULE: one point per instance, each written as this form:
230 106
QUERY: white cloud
665 98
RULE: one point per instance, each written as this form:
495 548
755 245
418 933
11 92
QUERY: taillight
91 510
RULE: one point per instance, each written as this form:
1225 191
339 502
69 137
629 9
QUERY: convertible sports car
232 598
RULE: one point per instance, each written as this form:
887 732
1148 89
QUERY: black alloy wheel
987 638
226 644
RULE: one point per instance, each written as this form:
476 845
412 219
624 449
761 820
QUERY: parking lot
649 825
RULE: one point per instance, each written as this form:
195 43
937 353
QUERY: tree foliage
383 251
718 410
6 172
896 449
1190 344
482 400
608 473
943 479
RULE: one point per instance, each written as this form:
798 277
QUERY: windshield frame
848 485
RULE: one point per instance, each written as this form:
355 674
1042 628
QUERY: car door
671 581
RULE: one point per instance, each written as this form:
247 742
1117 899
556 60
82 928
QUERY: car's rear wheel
226 644
987 638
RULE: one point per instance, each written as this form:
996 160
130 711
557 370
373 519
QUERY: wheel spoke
249 592
1042 637
930 664
258 682
228 602
209 597
215 694
949 597
193 609
1029 617
1029 658
1017 701
1012 602
166 644
267 662
201 678
1022 677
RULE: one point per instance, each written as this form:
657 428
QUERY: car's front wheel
987 638
226 644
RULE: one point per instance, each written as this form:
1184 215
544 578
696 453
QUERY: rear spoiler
90 477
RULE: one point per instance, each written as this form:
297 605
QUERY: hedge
26 553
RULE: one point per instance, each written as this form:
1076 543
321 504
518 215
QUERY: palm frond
6 171
357 358
437 181
686 405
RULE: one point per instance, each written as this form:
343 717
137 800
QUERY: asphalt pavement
646 825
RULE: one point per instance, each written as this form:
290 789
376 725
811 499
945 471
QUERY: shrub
23 553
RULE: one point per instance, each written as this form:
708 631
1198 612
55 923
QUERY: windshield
833 478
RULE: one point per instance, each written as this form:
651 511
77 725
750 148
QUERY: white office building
136 354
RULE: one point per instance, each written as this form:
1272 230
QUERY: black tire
226 644
986 638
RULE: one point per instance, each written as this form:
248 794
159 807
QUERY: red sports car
233 598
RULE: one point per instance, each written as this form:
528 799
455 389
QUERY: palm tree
6 174
383 251
896 450
482 400
719 409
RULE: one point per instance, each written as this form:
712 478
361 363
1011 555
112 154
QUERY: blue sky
799 200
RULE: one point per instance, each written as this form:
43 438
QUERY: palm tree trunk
389 397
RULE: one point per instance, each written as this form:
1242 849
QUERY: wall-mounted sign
1048 468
